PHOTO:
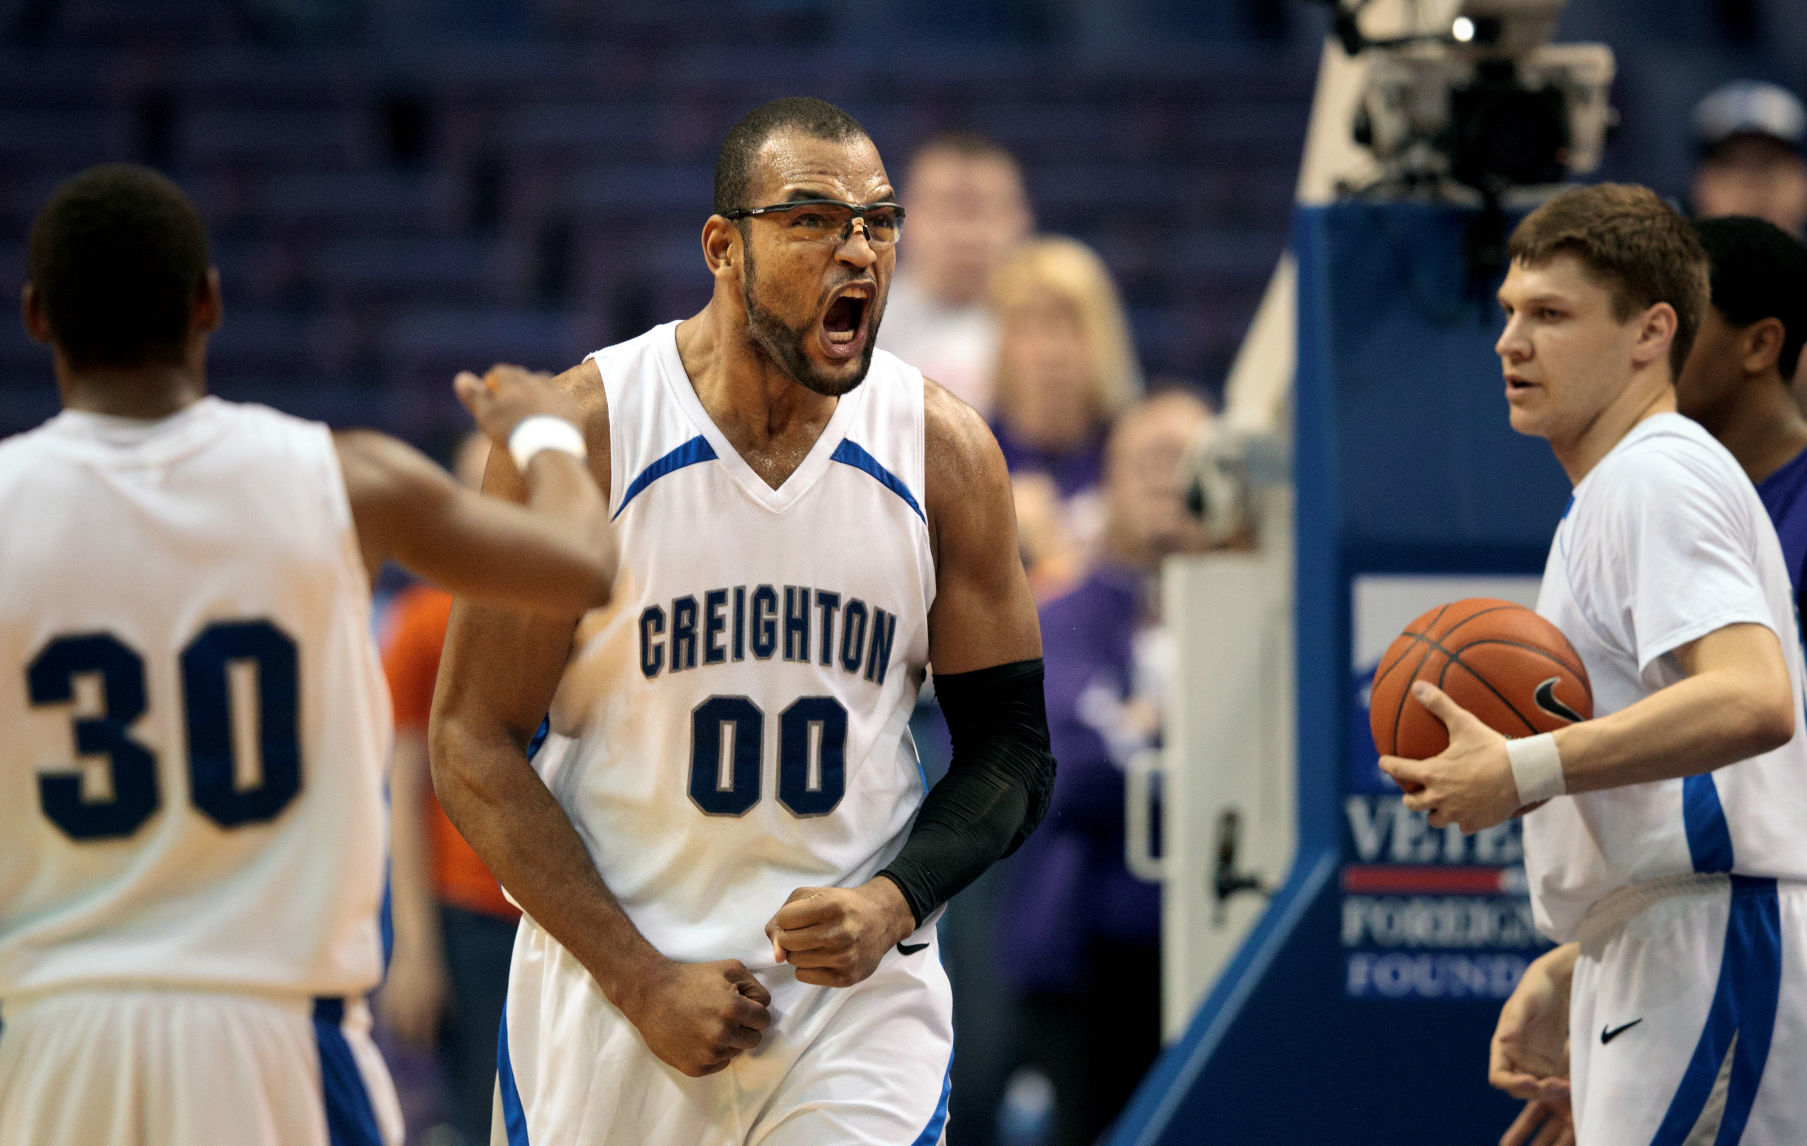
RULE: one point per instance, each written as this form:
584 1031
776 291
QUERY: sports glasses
831 220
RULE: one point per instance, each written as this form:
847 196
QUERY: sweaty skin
501 667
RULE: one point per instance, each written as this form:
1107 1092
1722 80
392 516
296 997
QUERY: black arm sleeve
996 789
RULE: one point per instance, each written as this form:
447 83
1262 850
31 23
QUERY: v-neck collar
814 464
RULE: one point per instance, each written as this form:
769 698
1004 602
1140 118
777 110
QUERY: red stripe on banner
1402 879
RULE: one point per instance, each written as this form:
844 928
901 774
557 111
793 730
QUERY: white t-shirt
957 346
1664 542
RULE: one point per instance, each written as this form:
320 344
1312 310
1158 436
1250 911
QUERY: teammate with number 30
194 728
729 869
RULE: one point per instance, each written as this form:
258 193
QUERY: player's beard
784 344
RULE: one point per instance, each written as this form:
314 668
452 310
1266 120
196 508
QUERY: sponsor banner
1381 829
1442 922
1428 914
1400 975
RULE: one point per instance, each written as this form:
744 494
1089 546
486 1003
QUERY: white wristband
544 432
1536 768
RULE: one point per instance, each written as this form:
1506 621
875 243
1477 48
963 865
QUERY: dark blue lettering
207 687
829 604
853 635
800 791
714 602
765 622
796 623
884 633
652 654
740 622
50 679
714 793
683 634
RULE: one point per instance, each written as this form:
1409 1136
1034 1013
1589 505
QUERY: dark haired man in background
968 211
729 869
194 733
1735 383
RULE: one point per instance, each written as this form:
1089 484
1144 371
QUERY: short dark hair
1758 271
816 118
117 256
1633 242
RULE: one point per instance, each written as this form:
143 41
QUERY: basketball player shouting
729 869
194 729
1668 855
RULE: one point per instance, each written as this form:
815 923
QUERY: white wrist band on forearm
544 432
1536 768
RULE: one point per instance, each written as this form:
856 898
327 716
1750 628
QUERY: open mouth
844 322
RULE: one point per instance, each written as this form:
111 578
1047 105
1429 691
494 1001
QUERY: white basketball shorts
866 1065
1688 1022
144 1066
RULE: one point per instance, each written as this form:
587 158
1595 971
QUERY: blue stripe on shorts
1741 1021
514 1118
350 1119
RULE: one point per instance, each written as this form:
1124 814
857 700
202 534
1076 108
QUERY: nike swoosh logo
910 948
1608 1034
1546 700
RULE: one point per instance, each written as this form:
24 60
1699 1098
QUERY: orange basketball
1507 665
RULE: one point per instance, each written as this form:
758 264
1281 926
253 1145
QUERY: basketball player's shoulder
584 382
959 447
1659 460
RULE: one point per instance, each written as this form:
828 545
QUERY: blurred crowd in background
1096 194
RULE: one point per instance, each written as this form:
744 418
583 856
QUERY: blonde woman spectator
1065 369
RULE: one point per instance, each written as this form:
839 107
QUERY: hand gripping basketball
1470 783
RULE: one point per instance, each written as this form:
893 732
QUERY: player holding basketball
1669 856
194 729
730 873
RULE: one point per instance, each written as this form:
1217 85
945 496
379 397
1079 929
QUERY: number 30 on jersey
207 703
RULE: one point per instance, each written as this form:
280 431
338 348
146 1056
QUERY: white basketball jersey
740 709
1664 542
195 721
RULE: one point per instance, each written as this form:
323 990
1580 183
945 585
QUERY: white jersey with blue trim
1664 542
196 722
734 724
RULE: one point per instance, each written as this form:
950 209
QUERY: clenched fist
698 1016
835 936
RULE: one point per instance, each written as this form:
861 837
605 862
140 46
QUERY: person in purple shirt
1735 382
1078 936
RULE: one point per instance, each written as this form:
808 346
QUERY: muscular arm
984 614
497 677
985 646
554 555
496 682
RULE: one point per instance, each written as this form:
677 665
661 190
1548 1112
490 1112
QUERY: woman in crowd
1065 369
